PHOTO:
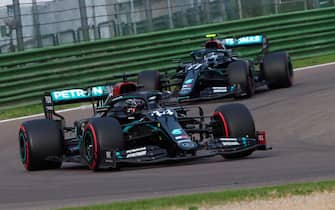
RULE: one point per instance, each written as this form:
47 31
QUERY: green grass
314 61
19 112
32 109
36 109
195 201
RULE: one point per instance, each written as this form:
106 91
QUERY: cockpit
133 103
213 58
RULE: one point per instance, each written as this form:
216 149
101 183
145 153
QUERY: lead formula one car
134 128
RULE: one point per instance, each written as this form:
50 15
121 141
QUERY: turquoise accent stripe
245 40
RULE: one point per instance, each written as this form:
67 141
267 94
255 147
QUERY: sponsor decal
68 94
188 81
219 89
136 152
109 158
195 66
258 39
177 131
160 113
182 137
72 94
108 155
48 99
152 98
229 141
187 86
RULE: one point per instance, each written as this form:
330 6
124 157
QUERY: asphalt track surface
300 123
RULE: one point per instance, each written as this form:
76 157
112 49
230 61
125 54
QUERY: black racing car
137 127
216 72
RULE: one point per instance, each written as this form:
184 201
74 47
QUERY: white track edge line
87 106
315 66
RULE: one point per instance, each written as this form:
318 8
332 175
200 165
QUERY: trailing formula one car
216 72
137 127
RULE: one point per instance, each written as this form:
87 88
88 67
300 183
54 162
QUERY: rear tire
41 144
239 73
100 135
234 120
278 70
151 80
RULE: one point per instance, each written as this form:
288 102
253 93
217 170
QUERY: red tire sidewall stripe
27 161
93 164
224 122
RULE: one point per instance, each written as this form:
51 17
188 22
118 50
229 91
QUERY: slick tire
41 144
151 80
239 73
278 70
234 120
101 135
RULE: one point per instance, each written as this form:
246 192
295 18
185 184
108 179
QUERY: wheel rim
24 148
89 147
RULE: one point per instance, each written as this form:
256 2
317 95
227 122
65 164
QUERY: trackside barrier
25 76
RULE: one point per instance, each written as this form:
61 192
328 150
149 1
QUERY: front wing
153 154
207 95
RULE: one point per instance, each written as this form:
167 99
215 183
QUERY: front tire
41 144
234 120
239 73
101 135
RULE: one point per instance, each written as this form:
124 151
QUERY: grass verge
31 110
314 61
36 109
194 201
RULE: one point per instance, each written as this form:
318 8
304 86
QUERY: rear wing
96 94
79 95
71 96
250 40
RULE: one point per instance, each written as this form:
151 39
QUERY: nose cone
185 91
186 88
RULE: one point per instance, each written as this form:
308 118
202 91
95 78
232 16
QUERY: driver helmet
133 105
211 59
213 43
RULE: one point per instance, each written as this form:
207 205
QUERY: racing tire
278 70
238 73
234 120
41 144
101 135
150 79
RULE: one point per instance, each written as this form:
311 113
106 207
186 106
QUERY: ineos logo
160 113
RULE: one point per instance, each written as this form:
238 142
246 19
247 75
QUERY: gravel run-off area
315 201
